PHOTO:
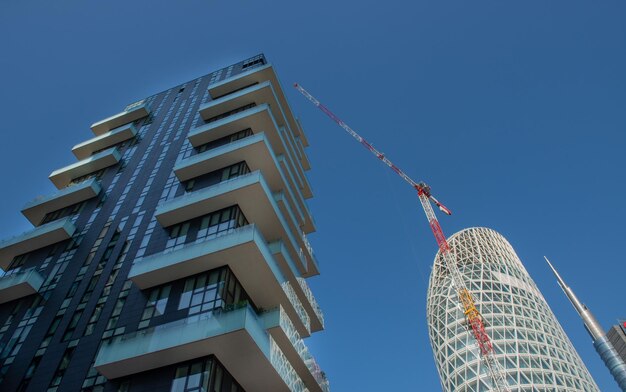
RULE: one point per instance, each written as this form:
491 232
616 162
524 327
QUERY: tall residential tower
529 343
174 255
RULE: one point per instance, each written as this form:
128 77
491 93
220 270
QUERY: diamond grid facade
529 343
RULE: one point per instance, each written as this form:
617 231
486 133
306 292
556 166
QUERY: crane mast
474 318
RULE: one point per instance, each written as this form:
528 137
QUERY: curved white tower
528 340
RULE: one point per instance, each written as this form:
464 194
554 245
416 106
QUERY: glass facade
528 341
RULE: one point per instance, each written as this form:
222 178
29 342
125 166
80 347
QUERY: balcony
299 285
304 192
129 115
262 93
249 191
257 75
19 285
255 150
37 209
64 176
245 251
107 139
306 164
279 326
38 238
236 338
312 302
258 119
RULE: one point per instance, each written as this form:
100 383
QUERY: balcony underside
64 176
255 151
258 75
37 209
236 338
19 285
87 148
249 191
244 250
258 119
38 238
117 120
262 93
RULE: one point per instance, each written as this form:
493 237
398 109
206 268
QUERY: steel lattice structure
528 342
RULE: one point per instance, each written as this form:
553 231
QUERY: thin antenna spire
593 327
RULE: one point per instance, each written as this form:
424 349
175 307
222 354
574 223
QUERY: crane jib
473 316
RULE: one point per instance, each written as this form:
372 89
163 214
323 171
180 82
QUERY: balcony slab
244 250
38 238
87 148
19 285
64 176
37 209
257 75
236 338
249 191
127 116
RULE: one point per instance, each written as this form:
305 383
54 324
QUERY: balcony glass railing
307 252
309 295
285 369
303 351
295 301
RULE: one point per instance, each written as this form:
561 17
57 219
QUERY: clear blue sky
512 111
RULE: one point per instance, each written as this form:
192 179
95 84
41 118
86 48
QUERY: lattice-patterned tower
539 356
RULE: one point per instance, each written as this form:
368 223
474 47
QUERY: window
205 227
206 375
65 362
212 290
235 170
91 325
231 112
217 176
224 140
178 235
29 374
220 223
16 264
155 306
53 328
72 326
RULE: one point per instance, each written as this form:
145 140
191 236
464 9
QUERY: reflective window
207 375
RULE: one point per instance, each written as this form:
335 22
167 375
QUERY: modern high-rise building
617 337
529 343
174 255
602 344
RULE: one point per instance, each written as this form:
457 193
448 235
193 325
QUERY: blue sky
512 111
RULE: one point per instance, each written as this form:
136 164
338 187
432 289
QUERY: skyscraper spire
600 341
593 326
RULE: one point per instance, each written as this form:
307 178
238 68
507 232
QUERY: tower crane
473 317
